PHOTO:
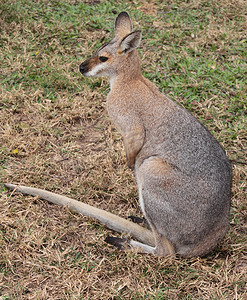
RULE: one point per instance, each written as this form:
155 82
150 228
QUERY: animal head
111 57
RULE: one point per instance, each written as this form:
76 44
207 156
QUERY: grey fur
183 174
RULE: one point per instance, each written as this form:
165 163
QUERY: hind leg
185 212
153 177
150 179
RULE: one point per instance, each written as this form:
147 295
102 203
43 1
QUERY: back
176 136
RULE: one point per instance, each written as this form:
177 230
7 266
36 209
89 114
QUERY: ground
56 135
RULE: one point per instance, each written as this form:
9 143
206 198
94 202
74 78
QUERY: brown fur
183 175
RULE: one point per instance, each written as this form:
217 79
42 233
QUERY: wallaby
183 174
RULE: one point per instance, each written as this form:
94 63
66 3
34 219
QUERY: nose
84 67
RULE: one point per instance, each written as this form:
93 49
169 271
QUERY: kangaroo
183 175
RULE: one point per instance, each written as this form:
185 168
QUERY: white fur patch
141 202
95 71
111 81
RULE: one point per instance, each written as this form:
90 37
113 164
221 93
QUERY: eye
103 58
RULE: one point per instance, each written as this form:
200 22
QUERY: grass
55 134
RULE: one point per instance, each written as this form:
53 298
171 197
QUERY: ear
130 42
123 25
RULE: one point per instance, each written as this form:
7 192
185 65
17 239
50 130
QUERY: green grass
196 52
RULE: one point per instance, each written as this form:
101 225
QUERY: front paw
120 243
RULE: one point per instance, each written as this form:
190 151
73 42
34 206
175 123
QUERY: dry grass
55 134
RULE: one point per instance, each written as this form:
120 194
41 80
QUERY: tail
110 220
